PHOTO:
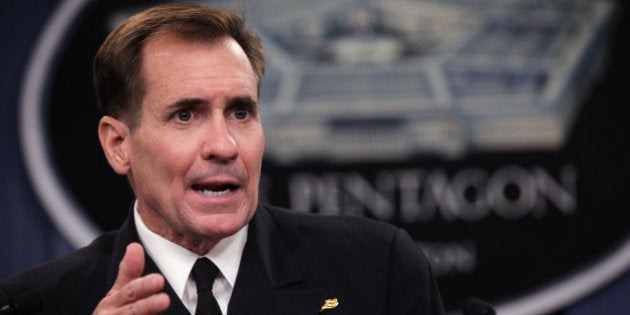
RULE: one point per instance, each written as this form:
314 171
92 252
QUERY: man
178 85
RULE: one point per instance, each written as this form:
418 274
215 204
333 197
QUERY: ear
114 136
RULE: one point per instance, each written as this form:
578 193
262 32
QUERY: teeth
213 193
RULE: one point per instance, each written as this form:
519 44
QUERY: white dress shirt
176 262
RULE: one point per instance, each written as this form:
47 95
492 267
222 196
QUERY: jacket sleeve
412 287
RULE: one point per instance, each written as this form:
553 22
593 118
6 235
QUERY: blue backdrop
28 237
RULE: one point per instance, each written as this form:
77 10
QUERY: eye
241 113
183 115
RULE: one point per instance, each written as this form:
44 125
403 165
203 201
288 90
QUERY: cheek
253 150
164 158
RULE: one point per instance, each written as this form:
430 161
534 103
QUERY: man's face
195 158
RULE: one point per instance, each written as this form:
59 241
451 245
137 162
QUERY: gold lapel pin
329 304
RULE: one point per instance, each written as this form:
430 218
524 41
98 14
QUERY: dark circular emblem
493 133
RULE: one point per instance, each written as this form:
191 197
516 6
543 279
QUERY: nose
219 143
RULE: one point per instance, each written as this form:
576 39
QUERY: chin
223 225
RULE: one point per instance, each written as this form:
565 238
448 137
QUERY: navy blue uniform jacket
292 263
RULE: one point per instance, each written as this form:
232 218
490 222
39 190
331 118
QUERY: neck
200 245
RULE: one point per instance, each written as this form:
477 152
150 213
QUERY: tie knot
204 272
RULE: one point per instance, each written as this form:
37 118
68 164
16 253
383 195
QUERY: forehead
176 69
169 49
172 59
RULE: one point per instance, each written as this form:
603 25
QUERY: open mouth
215 190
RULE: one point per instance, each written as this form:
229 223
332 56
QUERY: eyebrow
186 103
242 100
193 102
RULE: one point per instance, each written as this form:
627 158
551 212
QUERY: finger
141 290
130 267
153 304
138 289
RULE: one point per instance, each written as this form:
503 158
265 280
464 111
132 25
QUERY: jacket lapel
268 281
176 306
126 235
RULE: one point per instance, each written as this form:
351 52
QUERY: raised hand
132 293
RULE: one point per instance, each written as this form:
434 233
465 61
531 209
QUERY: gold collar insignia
329 304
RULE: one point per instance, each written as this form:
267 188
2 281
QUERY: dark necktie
204 272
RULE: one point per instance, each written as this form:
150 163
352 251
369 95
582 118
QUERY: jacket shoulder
335 232
55 282
367 261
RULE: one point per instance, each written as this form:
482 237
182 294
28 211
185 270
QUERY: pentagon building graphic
374 80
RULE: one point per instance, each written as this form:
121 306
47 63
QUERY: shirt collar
176 262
